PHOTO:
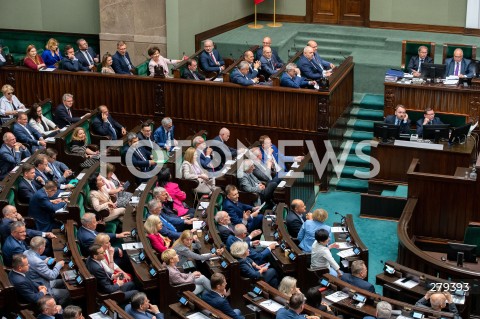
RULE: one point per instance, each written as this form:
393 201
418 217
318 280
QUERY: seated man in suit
164 135
249 183
241 213
11 154
42 172
253 65
72 312
384 311
50 310
210 59
296 217
264 171
145 134
63 112
400 119
224 225
168 230
218 145
217 296
87 233
438 301
428 119
15 243
270 64
26 134
70 61
168 212
291 78
10 215
309 67
267 43
141 158
141 308
204 153
60 172
43 206
27 187
85 55
28 291
104 124
358 275
257 254
458 66
106 283
121 62
324 64
191 72
240 75
296 304
415 63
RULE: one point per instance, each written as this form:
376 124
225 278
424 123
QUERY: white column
473 14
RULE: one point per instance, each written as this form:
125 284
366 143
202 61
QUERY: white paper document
346 253
50 139
99 315
339 230
197 224
408 284
64 194
229 162
266 243
80 176
337 296
295 164
344 245
281 184
134 200
141 187
271 305
204 205
197 315
138 245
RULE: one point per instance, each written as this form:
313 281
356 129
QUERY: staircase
359 127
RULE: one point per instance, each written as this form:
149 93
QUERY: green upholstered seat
454 119
47 110
285 213
469 51
472 236
410 48
86 127
142 69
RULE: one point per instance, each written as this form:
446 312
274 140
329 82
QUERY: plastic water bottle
473 174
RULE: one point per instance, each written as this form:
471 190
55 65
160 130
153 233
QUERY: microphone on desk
342 221
344 57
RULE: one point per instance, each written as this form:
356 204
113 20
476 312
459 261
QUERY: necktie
32 186
457 66
213 57
55 170
13 152
140 154
29 133
69 112
420 65
88 56
271 64
127 62
194 75
112 131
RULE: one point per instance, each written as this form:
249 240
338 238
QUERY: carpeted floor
379 236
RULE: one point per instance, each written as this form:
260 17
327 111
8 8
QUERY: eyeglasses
9 93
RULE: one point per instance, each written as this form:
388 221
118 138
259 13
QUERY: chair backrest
454 119
410 48
469 51
86 127
142 69
472 235
47 110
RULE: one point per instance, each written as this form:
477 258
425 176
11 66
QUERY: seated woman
32 60
321 255
9 103
185 245
250 269
108 263
192 170
40 123
170 258
152 226
79 144
101 200
270 152
178 196
157 60
51 55
314 299
107 61
114 187
288 286
306 235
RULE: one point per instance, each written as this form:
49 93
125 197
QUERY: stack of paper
346 253
337 296
271 305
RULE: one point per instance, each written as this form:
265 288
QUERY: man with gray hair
168 213
249 183
309 67
210 60
141 308
258 254
155 208
296 304
11 215
164 135
204 153
72 312
42 274
11 154
15 243
291 78
384 311
358 275
438 300
63 113
240 75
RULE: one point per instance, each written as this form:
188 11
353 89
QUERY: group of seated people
401 119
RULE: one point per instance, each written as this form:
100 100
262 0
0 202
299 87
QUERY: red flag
258 1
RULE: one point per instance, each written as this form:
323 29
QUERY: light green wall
290 7
434 12
51 15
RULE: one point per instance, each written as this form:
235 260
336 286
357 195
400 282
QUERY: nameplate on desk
427 146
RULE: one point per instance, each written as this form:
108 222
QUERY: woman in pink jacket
178 196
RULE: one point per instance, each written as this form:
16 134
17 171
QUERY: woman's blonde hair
320 215
186 234
167 255
7 88
50 43
189 155
102 239
287 285
151 224
76 131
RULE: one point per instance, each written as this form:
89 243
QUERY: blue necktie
167 224
112 131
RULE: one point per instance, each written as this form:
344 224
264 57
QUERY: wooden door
343 12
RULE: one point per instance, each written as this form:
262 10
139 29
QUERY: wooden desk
197 305
355 240
115 308
441 98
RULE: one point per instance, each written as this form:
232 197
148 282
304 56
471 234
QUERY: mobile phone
121 277
266 265
359 298
324 282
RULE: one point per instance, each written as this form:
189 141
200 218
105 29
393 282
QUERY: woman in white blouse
158 60
321 255
192 170
9 103
40 123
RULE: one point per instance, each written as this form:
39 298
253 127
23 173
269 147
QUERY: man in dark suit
43 207
210 59
296 304
217 296
85 55
224 225
223 137
15 243
104 124
458 66
253 66
121 62
267 42
309 67
10 215
400 119
42 175
240 75
291 78
70 61
49 308
270 64
11 154
63 112
61 173
358 275
141 308
168 213
241 213
428 119
316 57
141 158
168 230
164 135
26 289
415 63
145 134
296 217
257 254
204 153
105 283
26 186
26 134
191 72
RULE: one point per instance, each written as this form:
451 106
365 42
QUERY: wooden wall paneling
325 11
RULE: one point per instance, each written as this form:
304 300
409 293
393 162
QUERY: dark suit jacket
269 67
325 64
104 284
43 211
11 247
26 289
259 257
232 150
404 127
5 58
187 74
415 60
466 68
23 137
310 69
297 81
205 161
160 136
24 191
247 270
236 211
294 223
83 61
8 161
73 65
5 230
141 315
217 302
358 282
86 239
141 137
435 120
142 163
274 53
284 313
119 65
237 77
61 168
62 118
100 127
207 64
225 232
172 216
